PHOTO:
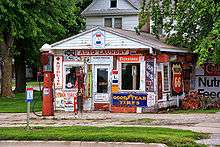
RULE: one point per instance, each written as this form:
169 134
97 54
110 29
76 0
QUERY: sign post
29 98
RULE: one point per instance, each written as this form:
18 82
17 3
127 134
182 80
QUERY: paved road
73 144
207 123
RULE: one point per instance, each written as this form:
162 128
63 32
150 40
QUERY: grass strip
17 104
170 137
195 111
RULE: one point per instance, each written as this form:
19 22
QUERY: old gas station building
119 71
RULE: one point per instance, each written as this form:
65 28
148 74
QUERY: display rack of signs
149 75
129 99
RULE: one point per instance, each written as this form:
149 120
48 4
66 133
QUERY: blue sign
129 99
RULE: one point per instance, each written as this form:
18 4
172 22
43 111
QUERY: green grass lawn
31 84
18 104
195 111
170 137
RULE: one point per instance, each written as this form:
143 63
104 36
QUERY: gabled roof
135 3
100 12
144 38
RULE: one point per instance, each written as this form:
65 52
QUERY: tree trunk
20 74
6 85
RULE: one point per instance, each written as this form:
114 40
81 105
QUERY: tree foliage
27 24
191 24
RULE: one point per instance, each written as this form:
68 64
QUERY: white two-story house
121 14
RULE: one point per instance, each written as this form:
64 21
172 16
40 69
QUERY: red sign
58 71
212 69
129 58
98 52
163 58
177 78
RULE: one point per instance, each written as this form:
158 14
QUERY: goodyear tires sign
129 99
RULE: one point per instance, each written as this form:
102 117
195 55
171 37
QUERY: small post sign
29 98
29 94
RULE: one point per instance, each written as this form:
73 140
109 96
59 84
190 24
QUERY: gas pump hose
36 100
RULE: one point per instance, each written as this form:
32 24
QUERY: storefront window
130 76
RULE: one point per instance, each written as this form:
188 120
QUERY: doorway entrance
101 85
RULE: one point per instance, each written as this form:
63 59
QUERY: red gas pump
47 62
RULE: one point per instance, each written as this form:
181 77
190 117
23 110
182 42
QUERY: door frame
94 71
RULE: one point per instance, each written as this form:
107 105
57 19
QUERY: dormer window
113 3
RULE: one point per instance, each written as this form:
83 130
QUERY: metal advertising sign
129 99
58 65
177 85
29 94
97 52
59 100
101 59
98 39
115 77
150 75
69 100
208 86
212 69
129 59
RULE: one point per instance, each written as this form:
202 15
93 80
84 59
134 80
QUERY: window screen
118 23
130 76
108 22
113 4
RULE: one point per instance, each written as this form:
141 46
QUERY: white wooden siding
105 4
130 22
111 41
93 22
114 41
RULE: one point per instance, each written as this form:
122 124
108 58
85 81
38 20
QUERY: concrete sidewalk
74 144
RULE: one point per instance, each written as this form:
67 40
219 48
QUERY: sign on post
29 94
29 98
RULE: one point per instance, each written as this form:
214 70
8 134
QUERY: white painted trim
175 50
142 75
169 77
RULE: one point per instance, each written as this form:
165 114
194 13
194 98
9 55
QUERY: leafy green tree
27 24
190 24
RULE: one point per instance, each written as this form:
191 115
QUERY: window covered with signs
166 77
130 76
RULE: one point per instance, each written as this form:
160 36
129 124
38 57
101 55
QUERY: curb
10 143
